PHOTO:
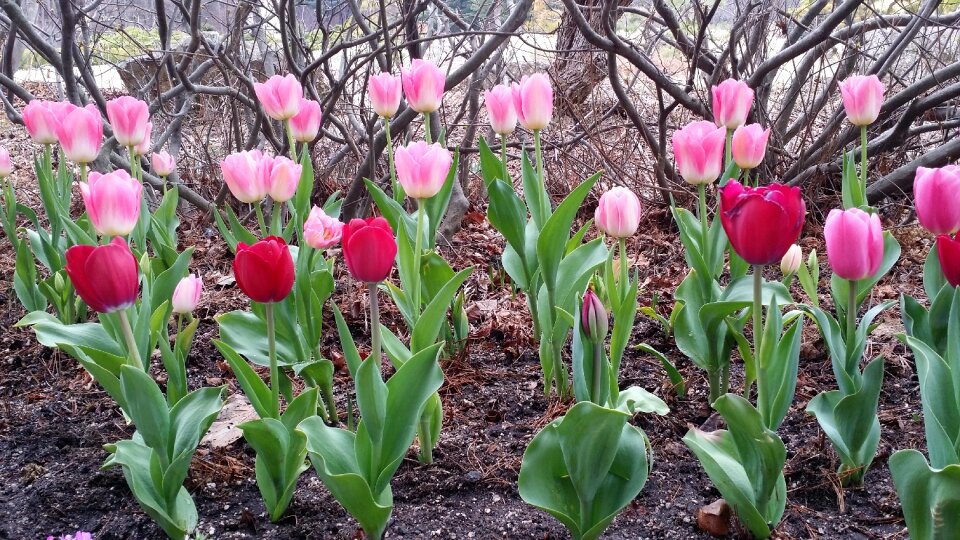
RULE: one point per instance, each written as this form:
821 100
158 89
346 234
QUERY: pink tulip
280 96
240 172
42 118
321 231
854 243
698 151
423 84
500 108
385 91
143 148
187 294
618 214
163 163
5 166
284 178
533 101
422 169
862 98
81 134
128 116
306 124
731 103
749 145
112 201
936 195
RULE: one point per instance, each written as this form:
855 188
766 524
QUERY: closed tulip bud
731 103
321 231
791 262
105 277
862 98
5 166
284 179
936 195
163 163
749 145
41 119
854 243
280 96
112 201
240 173
422 168
187 294
593 317
698 151
423 84
385 91
369 249
533 101
761 223
128 116
501 109
264 270
618 213
81 134
306 124
948 250
143 148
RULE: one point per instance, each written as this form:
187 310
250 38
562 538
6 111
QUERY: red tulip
264 271
369 249
105 277
761 223
948 249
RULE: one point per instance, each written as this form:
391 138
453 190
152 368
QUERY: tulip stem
503 157
132 351
624 272
863 163
704 229
426 128
291 142
398 194
374 323
728 155
597 366
276 219
260 220
272 352
542 176
417 253
852 310
757 313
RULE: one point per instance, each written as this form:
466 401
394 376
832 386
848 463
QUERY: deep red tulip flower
105 277
761 223
264 271
369 249
948 249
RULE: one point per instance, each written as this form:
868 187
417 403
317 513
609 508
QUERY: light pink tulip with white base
284 178
41 118
731 103
862 98
5 166
501 109
244 176
618 213
128 116
280 96
385 91
163 163
698 151
306 124
187 294
112 201
533 101
422 168
321 231
423 84
749 145
81 134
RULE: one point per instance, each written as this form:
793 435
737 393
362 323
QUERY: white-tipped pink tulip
112 201
422 168
42 118
385 91
306 124
128 116
749 145
533 101
163 163
81 134
500 109
187 294
284 178
240 172
731 103
698 151
321 231
862 98
280 96
423 84
618 213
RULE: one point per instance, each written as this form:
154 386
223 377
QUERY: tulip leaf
938 394
304 194
246 333
280 461
436 206
535 193
253 386
673 374
391 210
933 278
840 287
930 495
434 315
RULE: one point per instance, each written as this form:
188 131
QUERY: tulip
5 167
422 168
41 119
862 98
698 151
163 163
749 145
369 249
618 213
423 84
240 173
105 277
143 148
936 195
306 124
280 96
128 117
854 243
385 91
321 231
284 178
593 317
731 103
112 201
81 134
761 223
533 101
501 109
791 262
264 270
187 294
948 250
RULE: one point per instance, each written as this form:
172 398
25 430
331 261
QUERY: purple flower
79 535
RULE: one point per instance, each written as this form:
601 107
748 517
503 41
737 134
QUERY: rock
714 518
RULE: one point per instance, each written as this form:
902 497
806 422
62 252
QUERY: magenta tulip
81 134
854 243
423 84
698 151
533 101
422 168
749 145
369 249
280 96
264 271
321 231
761 223
501 109
284 178
42 118
618 213
948 250
862 98
936 195
112 201
187 294
593 318
105 277
245 177
5 166
128 116
163 163
306 124
385 91
731 103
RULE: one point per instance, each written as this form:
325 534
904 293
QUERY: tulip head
749 145
369 249
385 91
854 243
791 262
240 172
593 318
948 250
533 101
862 98
5 166
305 125
42 118
284 177
143 148
264 270
80 133
761 223
187 294
698 151
163 163
423 84
321 231
618 212
112 201
936 195
280 96
731 103
105 277
422 168
501 109
128 116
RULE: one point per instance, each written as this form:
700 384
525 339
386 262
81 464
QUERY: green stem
503 156
374 323
276 219
863 163
291 142
713 378
398 194
728 153
260 220
274 368
134 162
624 270
132 351
541 176
426 128
704 228
417 255
852 309
83 173
597 367
757 324
746 178
426 445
